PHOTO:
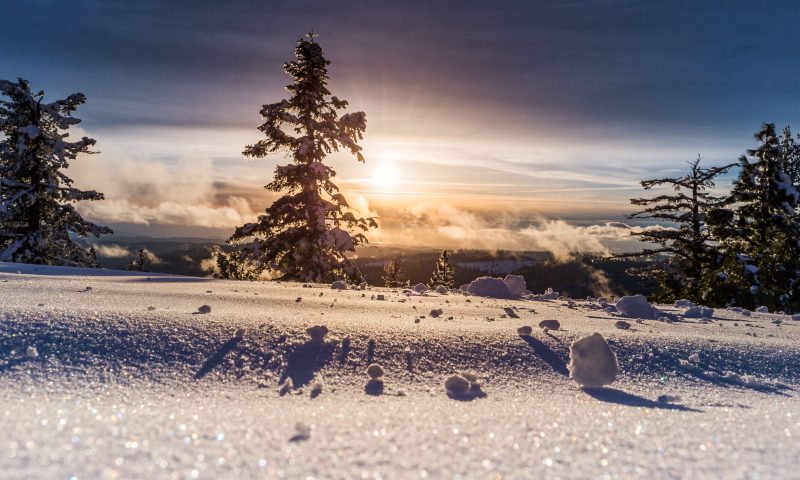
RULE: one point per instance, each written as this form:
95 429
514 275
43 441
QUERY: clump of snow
420 288
550 325
375 371
683 303
745 313
363 285
510 312
204 309
339 285
31 352
592 363
548 294
694 358
285 387
622 325
698 312
524 331
317 333
762 309
796 317
516 284
489 287
636 306
457 385
441 290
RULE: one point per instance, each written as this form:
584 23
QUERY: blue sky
509 111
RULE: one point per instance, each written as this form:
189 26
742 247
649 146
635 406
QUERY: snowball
420 288
550 324
204 309
636 306
457 385
516 284
524 331
375 371
622 325
489 287
339 285
592 363
762 309
698 312
317 333
31 352
441 290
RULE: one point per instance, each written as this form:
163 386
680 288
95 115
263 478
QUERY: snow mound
762 309
339 285
591 361
548 294
420 288
549 324
698 312
683 303
489 287
441 290
636 306
457 385
516 284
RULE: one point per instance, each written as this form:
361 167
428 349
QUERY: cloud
111 251
442 225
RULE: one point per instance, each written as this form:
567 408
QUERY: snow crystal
339 285
204 309
489 287
375 371
524 331
516 284
636 306
592 363
550 324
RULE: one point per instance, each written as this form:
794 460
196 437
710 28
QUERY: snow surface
128 381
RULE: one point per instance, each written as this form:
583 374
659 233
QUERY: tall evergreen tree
443 273
38 221
305 234
760 233
686 238
140 263
393 274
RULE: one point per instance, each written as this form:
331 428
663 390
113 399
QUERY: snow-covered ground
116 375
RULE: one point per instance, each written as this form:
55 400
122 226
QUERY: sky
489 124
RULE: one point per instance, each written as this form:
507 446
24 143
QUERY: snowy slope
126 379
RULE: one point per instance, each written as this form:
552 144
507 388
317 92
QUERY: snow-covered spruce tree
140 263
790 155
443 273
228 267
685 239
38 221
305 235
393 274
760 233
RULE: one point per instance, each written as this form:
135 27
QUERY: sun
385 175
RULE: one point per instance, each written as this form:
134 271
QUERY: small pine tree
305 235
37 217
231 268
759 231
790 155
93 261
687 244
443 273
140 263
394 275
